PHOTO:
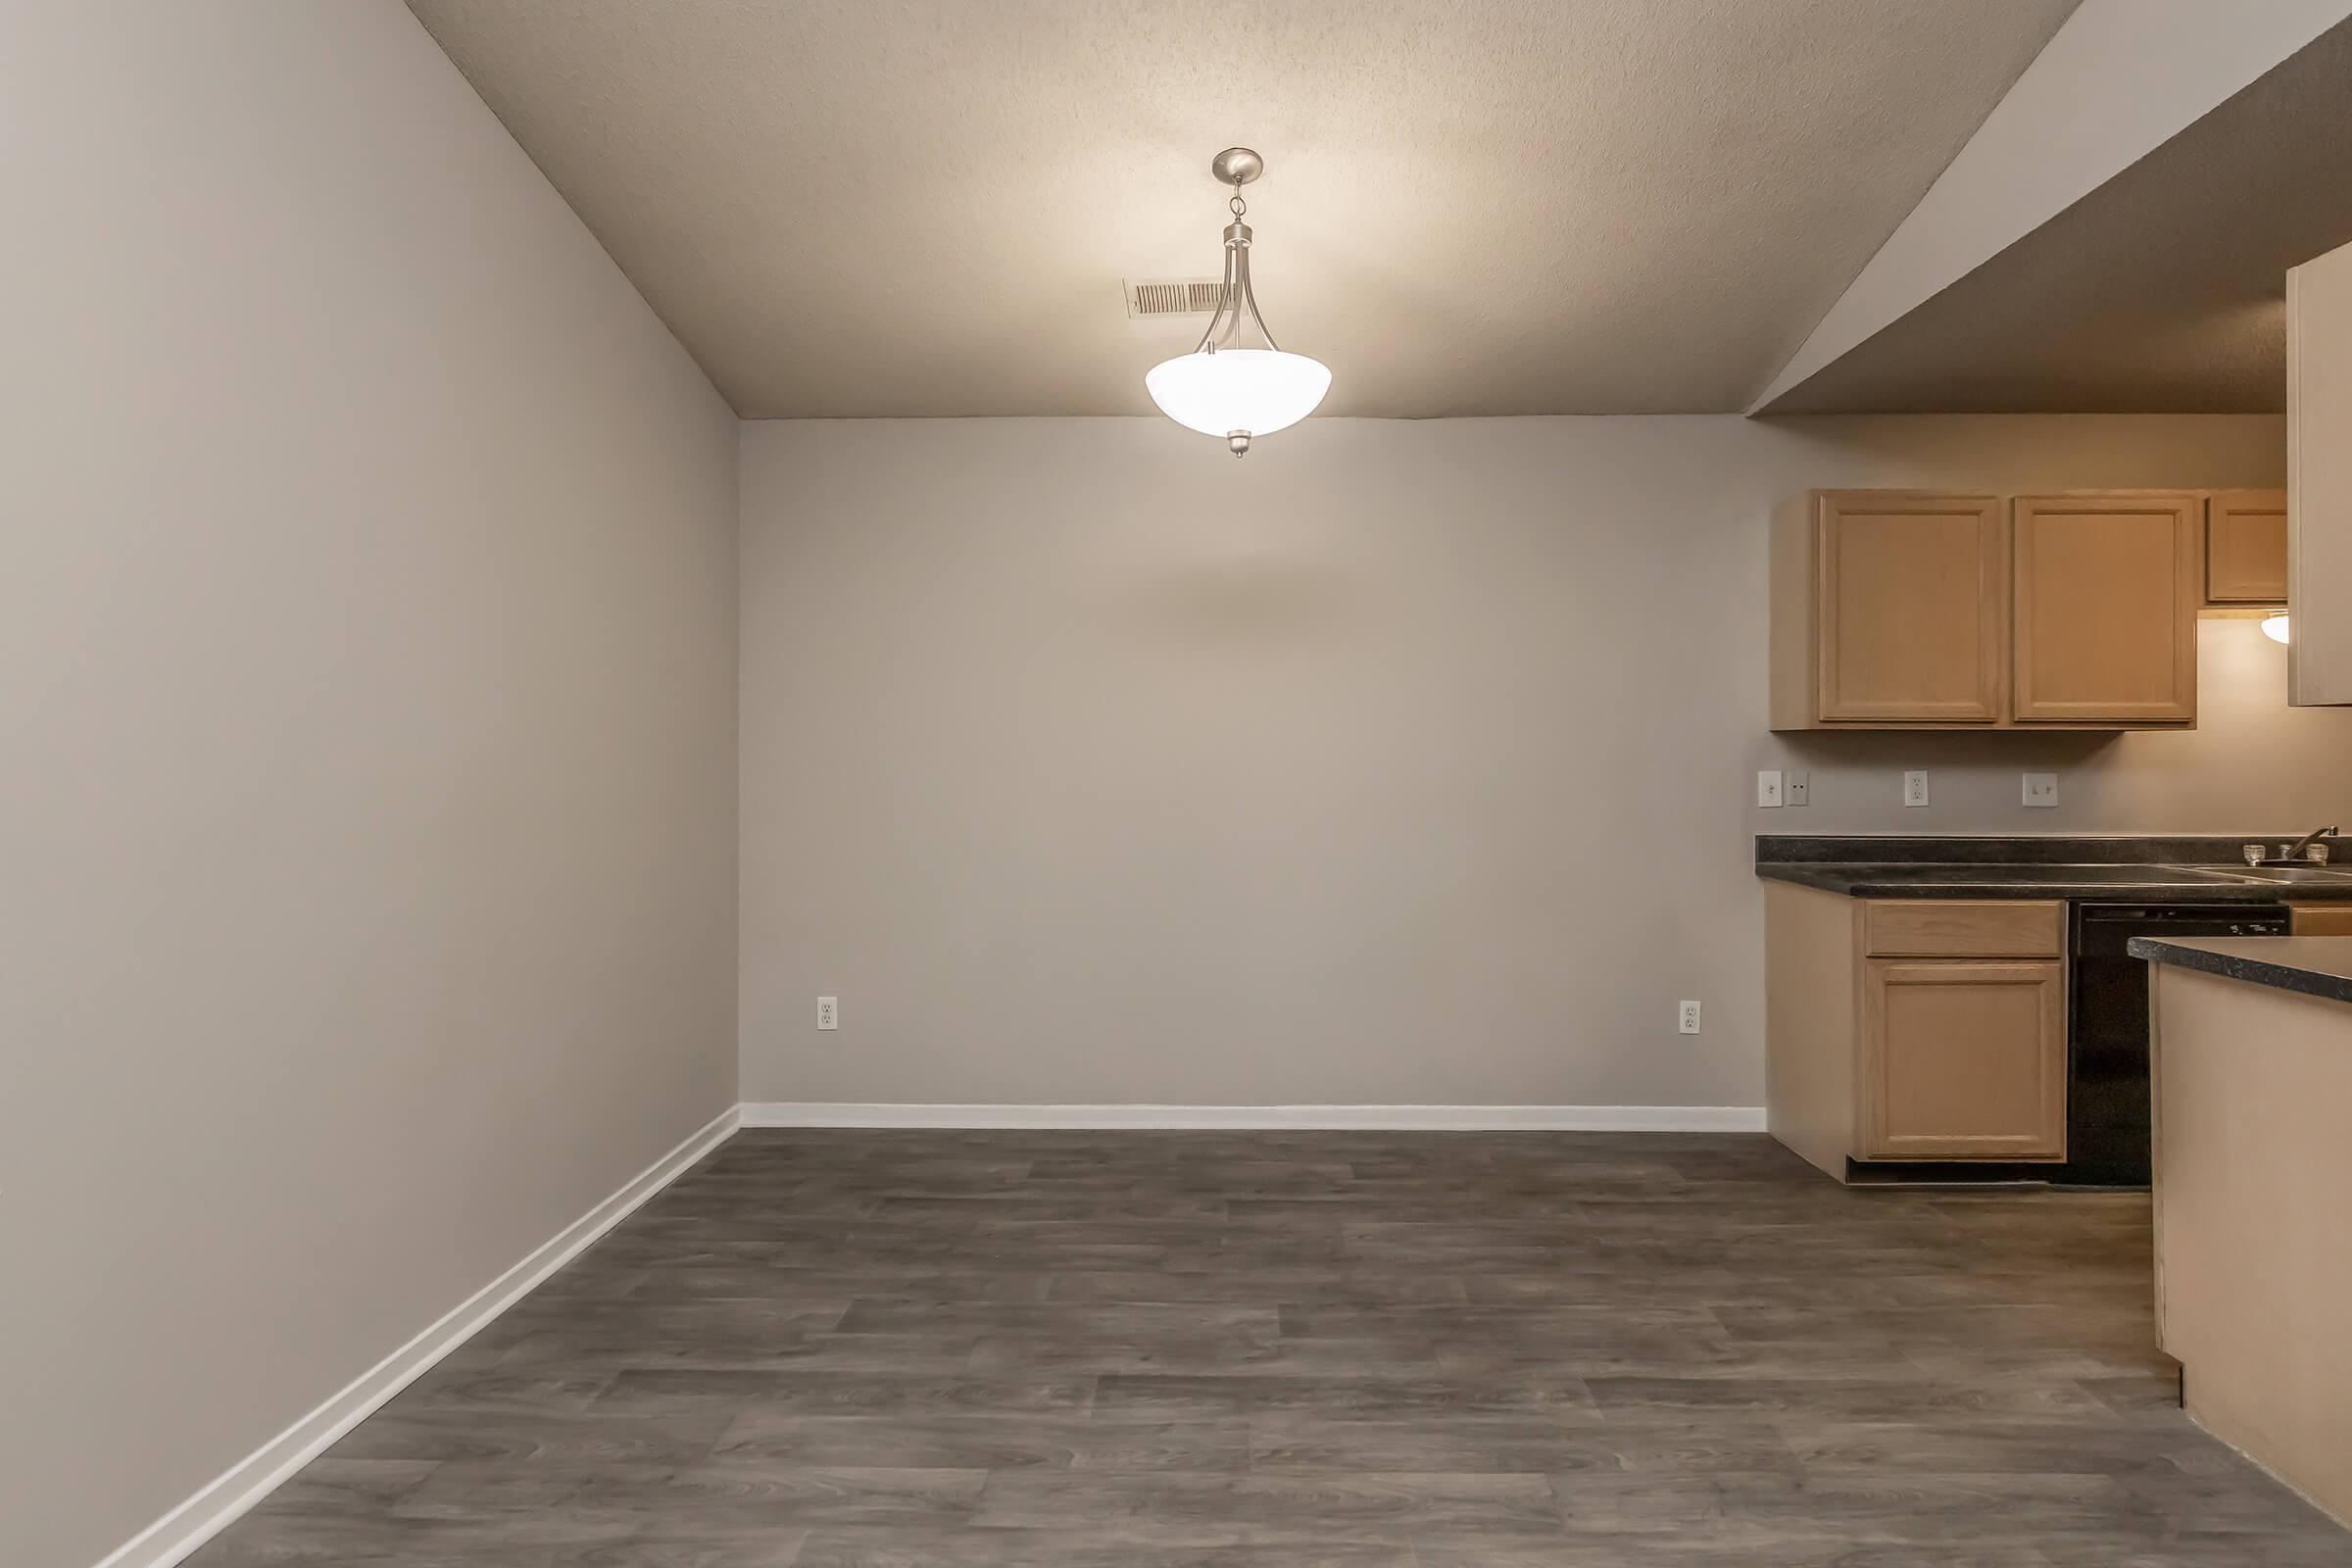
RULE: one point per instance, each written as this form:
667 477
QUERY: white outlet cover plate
1686 1017
2041 788
1798 787
1915 787
828 1012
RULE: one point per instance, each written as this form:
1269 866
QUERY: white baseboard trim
212 1509
1375 1118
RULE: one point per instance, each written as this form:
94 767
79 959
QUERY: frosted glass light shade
1255 390
2275 627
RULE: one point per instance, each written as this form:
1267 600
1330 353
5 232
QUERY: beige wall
1395 763
367 717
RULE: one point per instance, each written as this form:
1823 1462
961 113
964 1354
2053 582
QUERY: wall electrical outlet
2041 788
1915 787
1686 1017
828 1012
1768 789
1799 785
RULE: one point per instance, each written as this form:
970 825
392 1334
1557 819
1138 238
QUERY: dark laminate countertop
2106 883
2115 870
2317 966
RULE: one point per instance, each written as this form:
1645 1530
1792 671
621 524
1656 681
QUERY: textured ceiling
2161 291
926 207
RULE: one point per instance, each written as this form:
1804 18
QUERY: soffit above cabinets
2163 291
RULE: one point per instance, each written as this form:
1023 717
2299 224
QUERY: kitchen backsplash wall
2253 764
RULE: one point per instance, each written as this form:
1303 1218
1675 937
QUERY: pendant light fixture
1224 386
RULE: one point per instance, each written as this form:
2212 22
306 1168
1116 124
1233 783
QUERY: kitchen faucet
2295 850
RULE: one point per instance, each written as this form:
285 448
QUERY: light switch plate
1798 786
2041 788
1768 789
1915 787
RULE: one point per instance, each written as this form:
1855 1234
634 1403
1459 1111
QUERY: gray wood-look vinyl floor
900 1350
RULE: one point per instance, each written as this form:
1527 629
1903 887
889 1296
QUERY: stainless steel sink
2284 875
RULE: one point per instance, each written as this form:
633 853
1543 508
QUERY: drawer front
2320 919
1944 928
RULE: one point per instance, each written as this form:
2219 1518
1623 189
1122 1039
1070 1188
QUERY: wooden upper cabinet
2245 547
1962 1060
1916 609
2319 480
1905 600
2108 586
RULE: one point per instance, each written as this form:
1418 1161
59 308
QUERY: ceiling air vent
1184 296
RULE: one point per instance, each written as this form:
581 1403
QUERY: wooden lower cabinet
1963 1060
2320 919
1914 1030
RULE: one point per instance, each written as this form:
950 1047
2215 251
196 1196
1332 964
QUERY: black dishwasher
2107 1111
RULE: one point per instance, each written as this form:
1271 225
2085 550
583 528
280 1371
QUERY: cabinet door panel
1913 604
2319 480
2107 595
2246 548
1962 1060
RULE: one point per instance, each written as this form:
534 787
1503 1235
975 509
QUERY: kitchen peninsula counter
2252 1077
